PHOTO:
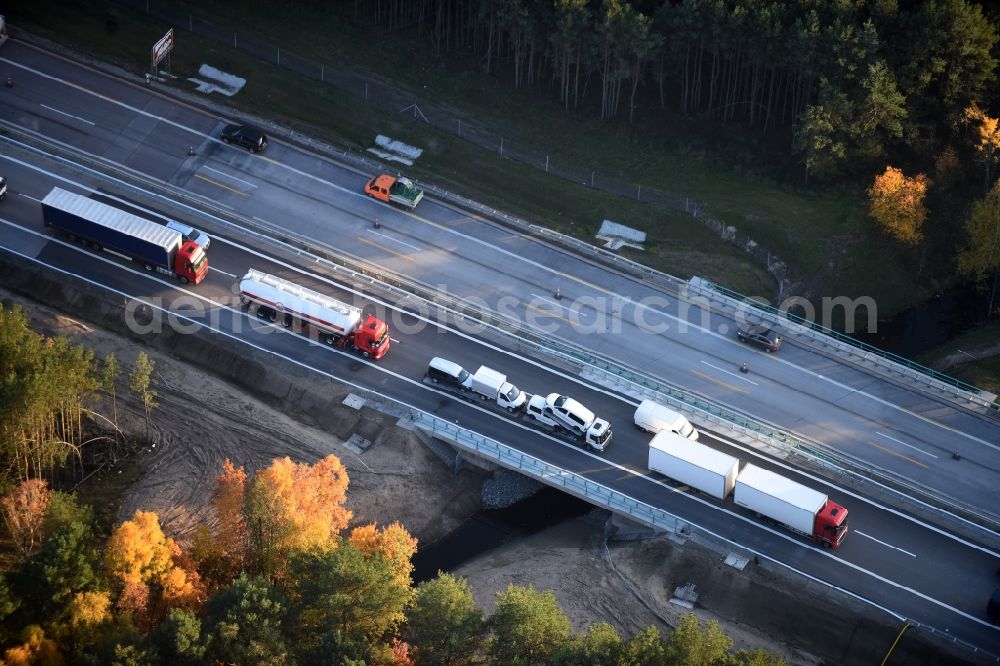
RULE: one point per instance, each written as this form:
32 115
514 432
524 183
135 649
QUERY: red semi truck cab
191 263
830 527
372 337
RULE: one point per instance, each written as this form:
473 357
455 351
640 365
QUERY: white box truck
792 505
653 417
493 385
707 470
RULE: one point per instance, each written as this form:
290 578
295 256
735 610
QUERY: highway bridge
79 129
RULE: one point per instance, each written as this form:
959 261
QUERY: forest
845 81
282 576
897 99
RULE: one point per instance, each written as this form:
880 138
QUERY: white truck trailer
696 465
792 505
493 385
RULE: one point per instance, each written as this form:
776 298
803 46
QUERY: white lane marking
537 364
834 382
887 545
394 341
843 490
219 270
229 176
115 102
493 246
557 304
734 374
68 115
394 240
575 379
780 534
926 453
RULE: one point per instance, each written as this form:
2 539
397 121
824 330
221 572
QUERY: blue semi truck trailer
158 248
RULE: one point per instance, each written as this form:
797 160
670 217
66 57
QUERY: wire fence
446 118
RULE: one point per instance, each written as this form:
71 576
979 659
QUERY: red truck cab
191 263
371 338
830 527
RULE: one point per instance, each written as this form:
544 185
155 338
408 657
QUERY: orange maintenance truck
391 189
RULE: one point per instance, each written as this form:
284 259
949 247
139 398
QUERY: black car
762 336
247 136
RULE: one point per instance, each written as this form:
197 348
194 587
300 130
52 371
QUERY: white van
653 417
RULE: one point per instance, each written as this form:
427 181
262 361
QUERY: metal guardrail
357 271
670 282
596 493
846 339
593 492
757 431
954 389
369 87
611 499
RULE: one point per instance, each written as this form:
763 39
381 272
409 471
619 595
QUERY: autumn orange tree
294 506
896 202
150 570
223 554
986 139
23 511
37 648
393 543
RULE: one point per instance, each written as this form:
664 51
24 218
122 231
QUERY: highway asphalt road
906 432
907 567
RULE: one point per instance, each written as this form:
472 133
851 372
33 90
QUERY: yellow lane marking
898 455
386 249
720 382
222 185
549 313
579 280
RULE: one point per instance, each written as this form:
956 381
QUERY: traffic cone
743 368
558 294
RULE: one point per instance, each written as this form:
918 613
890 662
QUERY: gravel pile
506 488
